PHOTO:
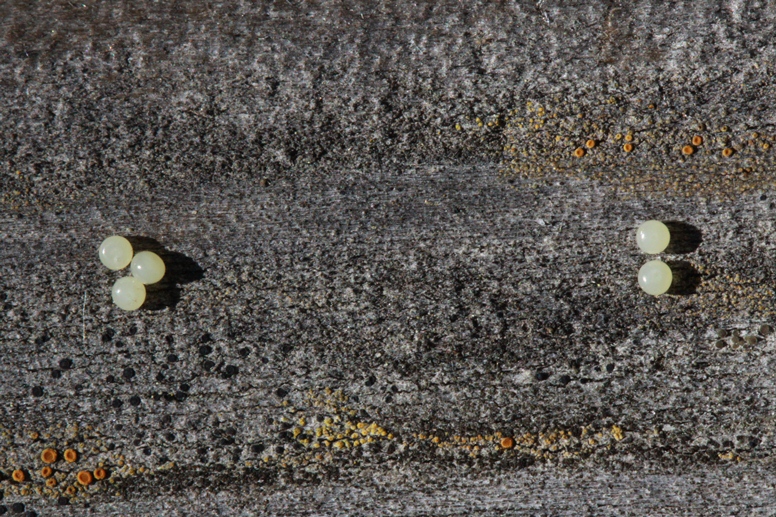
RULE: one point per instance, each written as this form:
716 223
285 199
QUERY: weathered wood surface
384 257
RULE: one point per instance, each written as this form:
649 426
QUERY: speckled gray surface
385 262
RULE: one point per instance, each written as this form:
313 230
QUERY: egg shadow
180 270
686 278
685 238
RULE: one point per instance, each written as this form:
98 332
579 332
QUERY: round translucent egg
148 267
655 277
128 293
115 252
653 237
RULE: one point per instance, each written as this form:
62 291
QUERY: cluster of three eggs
147 267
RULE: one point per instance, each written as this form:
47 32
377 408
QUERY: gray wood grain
384 258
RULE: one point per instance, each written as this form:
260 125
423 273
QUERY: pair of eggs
147 267
655 276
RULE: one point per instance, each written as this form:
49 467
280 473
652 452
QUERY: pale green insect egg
653 237
655 277
128 293
148 267
115 252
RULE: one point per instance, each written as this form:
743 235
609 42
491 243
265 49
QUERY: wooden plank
384 257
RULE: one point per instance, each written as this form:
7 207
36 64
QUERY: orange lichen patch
727 152
629 138
627 148
697 140
590 144
19 476
71 490
49 456
687 150
100 473
84 477
46 472
579 152
34 435
51 482
71 456
559 444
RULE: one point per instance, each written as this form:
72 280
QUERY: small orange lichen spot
71 490
46 472
100 473
49 456
755 135
629 138
507 443
697 140
19 476
627 148
579 152
84 477
71 456
51 482
766 146
34 435
590 144
688 150
727 152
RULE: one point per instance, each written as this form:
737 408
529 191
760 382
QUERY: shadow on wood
180 270
686 278
685 238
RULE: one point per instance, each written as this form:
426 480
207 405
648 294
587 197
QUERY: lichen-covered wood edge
401 266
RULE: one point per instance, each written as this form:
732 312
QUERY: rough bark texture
393 289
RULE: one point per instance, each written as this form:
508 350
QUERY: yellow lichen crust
84 477
542 145
49 456
71 456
